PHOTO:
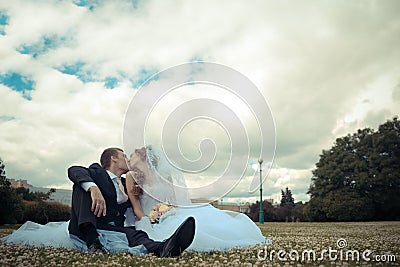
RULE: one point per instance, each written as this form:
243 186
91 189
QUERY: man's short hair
105 158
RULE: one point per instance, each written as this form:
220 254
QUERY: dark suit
82 202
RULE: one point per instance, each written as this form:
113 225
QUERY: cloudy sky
70 69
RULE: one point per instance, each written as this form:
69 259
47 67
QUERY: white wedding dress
215 229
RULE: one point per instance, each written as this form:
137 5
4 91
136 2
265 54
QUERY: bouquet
158 210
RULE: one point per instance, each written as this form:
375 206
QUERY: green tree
2 170
361 170
297 212
27 195
285 211
269 211
313 210
347 205
45 211
11 207
287 198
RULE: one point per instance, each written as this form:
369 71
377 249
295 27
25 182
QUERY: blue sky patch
80 70
110 82
84 73
136 80
3 18
3 22
18 83
135 3
80 2
90 4
7 118
196 59
42 46
73 69
143 75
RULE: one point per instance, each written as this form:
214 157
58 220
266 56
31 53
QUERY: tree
313 210
362 171
45 211
347 205
285 211
2 170
34 196
297 212
38 209
287 198
11 207
269 211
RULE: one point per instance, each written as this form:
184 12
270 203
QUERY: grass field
293 244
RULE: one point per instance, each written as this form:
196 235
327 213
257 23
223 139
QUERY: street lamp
261 216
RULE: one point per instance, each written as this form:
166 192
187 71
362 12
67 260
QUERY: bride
152 182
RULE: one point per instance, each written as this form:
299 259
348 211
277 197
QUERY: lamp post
261 216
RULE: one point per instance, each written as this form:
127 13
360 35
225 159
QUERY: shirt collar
112 175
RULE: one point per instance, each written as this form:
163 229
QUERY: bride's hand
140 214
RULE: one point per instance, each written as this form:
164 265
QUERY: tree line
358 179
18 205
286 211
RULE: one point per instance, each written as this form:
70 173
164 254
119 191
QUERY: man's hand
98 203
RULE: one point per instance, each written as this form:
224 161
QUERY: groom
99 201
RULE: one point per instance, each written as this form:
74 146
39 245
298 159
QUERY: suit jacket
95 173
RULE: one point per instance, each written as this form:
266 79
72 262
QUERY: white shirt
87 185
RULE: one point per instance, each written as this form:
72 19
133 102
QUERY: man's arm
80 175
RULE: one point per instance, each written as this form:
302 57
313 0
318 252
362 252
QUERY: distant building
243 207
200 200
270 200
19 183
232 206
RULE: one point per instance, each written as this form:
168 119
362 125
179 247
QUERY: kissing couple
100 201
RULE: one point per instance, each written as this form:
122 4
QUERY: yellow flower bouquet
158 210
